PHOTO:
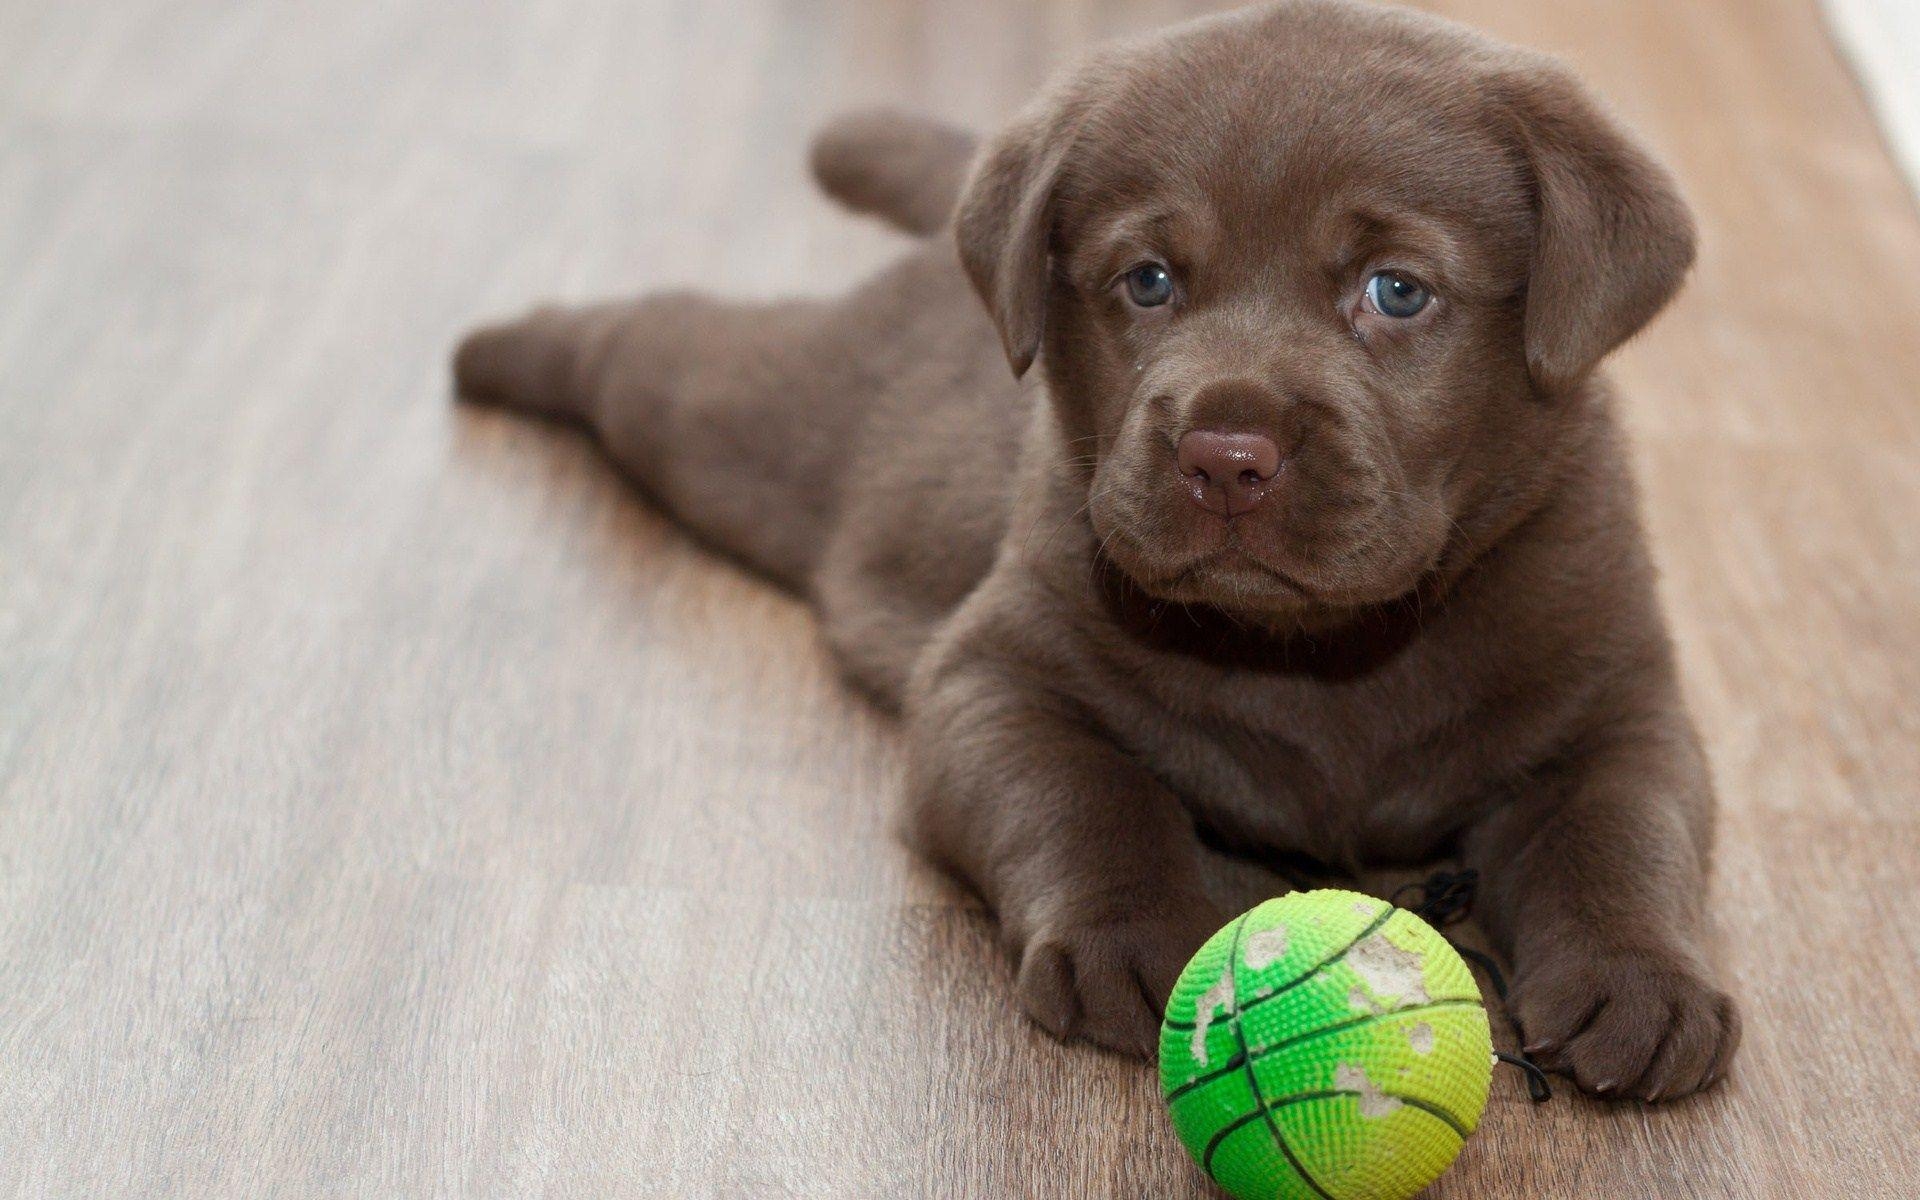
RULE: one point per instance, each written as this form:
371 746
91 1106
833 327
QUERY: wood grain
392 806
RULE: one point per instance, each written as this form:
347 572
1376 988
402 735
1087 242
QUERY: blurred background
390 805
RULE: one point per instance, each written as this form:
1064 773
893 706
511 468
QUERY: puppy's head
1315 287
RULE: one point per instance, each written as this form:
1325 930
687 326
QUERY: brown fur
1440 635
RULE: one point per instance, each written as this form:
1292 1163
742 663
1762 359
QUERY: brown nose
1228 471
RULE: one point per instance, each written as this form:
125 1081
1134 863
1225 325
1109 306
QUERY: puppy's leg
730 415
1091 865
1594 885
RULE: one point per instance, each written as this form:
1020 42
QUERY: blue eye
1395 295
1149 285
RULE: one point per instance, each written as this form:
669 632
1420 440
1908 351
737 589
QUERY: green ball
1326 1046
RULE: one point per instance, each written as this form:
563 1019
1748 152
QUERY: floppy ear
1614 238
1004 227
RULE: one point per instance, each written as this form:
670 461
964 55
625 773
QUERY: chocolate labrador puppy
1312 532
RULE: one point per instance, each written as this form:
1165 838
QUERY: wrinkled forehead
1347 160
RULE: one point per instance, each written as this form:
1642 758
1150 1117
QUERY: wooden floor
392 807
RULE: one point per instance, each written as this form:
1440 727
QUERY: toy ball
1326 1046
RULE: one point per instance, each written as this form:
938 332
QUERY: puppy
1312 531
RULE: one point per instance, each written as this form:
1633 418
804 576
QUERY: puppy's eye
1392 294
1149 285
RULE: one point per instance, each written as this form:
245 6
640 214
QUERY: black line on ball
1238 1123
1199 1081
1426 1106
1283 989
1434 1110
1259 1052
1253 1080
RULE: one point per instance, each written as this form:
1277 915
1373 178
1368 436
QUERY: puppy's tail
905 169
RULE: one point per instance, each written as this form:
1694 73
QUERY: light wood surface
391 806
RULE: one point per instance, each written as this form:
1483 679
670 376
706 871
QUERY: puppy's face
1289 343
1315 287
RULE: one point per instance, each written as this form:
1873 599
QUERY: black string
1445 898
1485 963
1537 1087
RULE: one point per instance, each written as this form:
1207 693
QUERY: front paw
1108 983
1627 1024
